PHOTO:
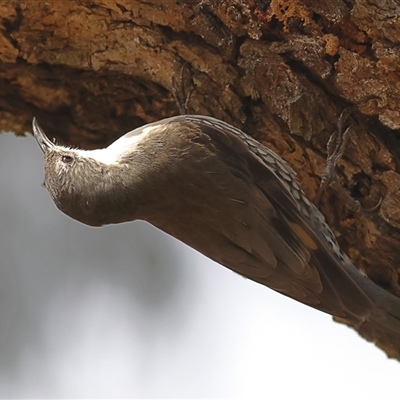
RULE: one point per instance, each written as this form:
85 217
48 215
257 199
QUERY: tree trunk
281 70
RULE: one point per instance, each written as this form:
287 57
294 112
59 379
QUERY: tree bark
281 70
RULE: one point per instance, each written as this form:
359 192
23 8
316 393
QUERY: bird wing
307 265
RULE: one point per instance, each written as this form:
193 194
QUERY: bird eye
67 159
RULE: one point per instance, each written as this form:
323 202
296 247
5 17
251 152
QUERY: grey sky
126 311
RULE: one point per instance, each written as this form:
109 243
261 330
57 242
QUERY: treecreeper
224 194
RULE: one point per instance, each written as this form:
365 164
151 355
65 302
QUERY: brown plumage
221 192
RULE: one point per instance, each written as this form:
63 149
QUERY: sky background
127 311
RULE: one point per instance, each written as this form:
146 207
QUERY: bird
221 192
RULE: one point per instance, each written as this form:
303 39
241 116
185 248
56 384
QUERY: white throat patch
124 145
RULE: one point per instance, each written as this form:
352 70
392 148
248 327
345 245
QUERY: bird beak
43 141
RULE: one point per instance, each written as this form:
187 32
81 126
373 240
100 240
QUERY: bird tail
381 328
383 324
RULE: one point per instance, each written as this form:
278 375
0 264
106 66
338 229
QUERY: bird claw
179 90
336 147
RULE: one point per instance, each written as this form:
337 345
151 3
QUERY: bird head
87 185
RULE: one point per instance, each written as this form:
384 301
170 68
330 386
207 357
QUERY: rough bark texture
282 70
